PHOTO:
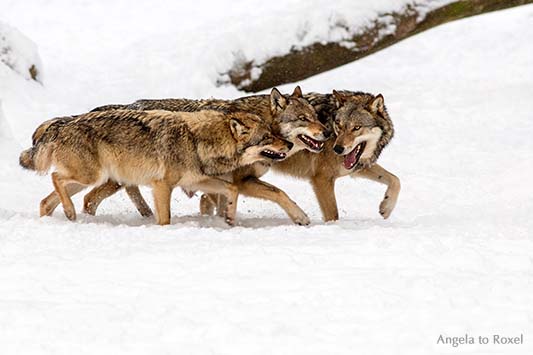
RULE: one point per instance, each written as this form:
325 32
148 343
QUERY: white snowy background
455 257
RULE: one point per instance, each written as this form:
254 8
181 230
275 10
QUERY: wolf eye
356 128
266 139
302 117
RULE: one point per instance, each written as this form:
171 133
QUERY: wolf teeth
271 152
311 142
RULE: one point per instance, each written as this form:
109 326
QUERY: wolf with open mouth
357 129
362 128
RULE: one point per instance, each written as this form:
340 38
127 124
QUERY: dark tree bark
316 58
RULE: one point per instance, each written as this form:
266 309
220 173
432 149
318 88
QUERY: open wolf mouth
353 157
273 155
313 144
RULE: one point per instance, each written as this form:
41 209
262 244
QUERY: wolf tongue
349 159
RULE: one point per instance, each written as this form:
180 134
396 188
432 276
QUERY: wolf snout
338 149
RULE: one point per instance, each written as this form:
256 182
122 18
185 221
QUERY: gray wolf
160 149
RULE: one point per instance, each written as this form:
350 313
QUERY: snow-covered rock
19 53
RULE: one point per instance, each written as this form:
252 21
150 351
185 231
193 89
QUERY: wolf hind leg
140 203
381 175
208 203
50 202
254 187
211 202
92 200
222 203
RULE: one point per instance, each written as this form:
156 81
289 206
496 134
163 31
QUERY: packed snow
455 257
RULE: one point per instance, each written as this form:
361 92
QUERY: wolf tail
39 156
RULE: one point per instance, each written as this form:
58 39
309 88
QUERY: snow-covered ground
456 256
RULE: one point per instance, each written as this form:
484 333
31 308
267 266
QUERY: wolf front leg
379 174
230 191
50 202
162 192
324 188
60 183
253 187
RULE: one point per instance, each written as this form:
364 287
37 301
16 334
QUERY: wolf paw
89 208
301 219
71 214
230 221
45 209
386 207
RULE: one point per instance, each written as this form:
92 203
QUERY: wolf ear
237 128
277 101
297 93
340 99
377 104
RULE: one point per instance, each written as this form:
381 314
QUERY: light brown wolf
160 149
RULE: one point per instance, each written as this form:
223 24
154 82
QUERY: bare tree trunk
318 57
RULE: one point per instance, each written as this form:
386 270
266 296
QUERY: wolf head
255 139
357 129
296 121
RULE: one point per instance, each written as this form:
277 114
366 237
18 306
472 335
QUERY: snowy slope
455 257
